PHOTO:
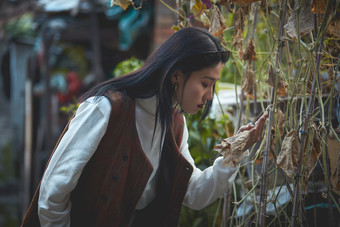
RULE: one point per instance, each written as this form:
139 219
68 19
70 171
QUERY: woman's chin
192 111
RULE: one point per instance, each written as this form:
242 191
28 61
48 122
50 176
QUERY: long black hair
188 50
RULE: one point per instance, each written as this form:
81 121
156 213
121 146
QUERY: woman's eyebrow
210 78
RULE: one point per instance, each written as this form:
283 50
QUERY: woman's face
198 88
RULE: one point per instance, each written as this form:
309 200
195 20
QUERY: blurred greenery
8 173
70 108
22 26
7 169
127 66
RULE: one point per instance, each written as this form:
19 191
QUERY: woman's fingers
245 127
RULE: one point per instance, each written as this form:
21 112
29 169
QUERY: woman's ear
176 77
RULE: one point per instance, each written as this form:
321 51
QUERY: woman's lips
200 106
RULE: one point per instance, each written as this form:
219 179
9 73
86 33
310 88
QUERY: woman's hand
255 131
234 149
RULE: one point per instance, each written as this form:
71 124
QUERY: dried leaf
334 28
205 19
249 82
313 155
287 160
280 120
217 25
250 53
238 43
319 6
281 84
239 20
232 148
196 7
306 21
122 3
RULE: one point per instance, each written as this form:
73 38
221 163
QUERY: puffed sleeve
207 185
75 149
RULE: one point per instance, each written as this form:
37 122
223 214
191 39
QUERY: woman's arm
207 185
75 149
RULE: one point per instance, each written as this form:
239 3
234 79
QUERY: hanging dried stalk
264 173
238 22
308 116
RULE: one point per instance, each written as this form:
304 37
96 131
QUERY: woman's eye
205 85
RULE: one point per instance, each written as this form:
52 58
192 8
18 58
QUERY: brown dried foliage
306 21
239 18
288 157
217 25
249 83
238 30
250 53
334 28
232 148
238 43
319 6
281 84
280 120
314 153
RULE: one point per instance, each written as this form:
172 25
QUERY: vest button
187 168
125 157
115 178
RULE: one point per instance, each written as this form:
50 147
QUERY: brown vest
114 178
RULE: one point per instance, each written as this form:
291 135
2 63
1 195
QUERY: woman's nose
209 94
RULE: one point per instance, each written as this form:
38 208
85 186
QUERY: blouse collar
148 104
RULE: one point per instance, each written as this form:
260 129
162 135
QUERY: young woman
123 159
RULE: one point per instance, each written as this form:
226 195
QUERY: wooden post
95 45
28 145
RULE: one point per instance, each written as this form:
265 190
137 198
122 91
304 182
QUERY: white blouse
80 141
